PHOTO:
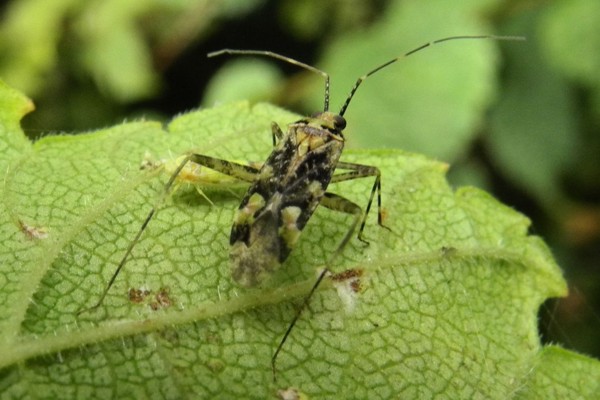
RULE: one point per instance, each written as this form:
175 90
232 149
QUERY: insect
287 188
33 232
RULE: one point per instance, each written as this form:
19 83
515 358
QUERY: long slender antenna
424 46
151 214
266 53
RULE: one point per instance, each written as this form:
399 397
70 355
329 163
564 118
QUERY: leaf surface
447 305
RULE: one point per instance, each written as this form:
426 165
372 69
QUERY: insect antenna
423 46
289 60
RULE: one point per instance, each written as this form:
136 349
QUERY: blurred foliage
85 62
519 119
244 78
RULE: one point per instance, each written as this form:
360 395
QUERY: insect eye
339 121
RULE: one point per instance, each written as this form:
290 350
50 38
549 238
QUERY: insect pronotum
285 191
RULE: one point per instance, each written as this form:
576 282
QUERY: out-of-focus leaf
533 131
242 79
109 41
115 51
29 34
330 16
569 33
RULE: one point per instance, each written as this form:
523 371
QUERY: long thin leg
246 173
277 133
293 323
363 171
242 172
336 203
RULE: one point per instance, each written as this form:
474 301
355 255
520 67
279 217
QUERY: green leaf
116 53
48 44
562 374
447 307
570 32
533 132
29 34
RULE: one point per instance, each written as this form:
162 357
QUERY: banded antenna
266 53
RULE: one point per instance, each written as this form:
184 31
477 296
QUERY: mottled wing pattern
280 202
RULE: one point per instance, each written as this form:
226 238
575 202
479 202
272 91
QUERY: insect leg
363 171
246 173
242 172
277 133
337 203
294 320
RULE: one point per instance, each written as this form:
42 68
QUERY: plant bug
287 188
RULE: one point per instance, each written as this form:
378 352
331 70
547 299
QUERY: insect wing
280 202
